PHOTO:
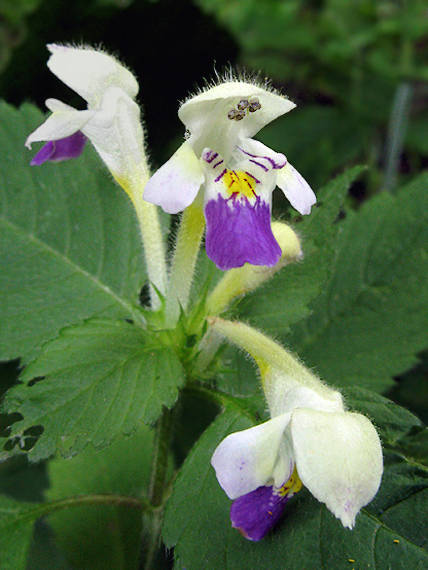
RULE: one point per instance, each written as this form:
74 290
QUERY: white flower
112 118
311 438
239 173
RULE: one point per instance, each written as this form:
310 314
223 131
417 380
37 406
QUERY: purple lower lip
256 513
239 232
59 150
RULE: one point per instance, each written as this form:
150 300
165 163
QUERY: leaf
370 322
285 299
394 422
184 521
102 378
69 244
416 445
16 530
93 535
197 521
102 536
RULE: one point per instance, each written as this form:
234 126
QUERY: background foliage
353 310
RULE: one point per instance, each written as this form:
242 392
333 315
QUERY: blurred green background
357 71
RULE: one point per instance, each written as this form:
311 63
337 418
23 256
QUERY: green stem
224 400
208 348
85 500
183 265
158 484
154 251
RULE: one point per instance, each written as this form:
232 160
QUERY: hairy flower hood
336 453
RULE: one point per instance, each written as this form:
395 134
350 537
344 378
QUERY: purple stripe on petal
275 165
256 513
220 176
265 168
239 232
62 149
253 177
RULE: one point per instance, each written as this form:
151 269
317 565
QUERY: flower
111 121
239 173
311 440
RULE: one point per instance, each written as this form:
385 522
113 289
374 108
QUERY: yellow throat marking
239 182
292 486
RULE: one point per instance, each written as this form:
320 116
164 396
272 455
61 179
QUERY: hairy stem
154 250
183 266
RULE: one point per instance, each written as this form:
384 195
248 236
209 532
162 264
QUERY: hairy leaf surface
69 244
371 320
101 379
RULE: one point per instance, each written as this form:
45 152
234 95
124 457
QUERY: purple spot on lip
217 163
239 232
256 513
59 150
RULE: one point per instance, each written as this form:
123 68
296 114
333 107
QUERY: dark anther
232 114
239 115
243 104
254 105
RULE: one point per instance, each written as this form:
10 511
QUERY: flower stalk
154 249
183 265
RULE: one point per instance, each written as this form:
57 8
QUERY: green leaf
102 378
285 299
120 473
394 422
370 322
197 521
16 530
102 536
416 445
69 244
197 511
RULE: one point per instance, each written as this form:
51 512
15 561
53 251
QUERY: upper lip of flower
89 72
112 119
205 115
